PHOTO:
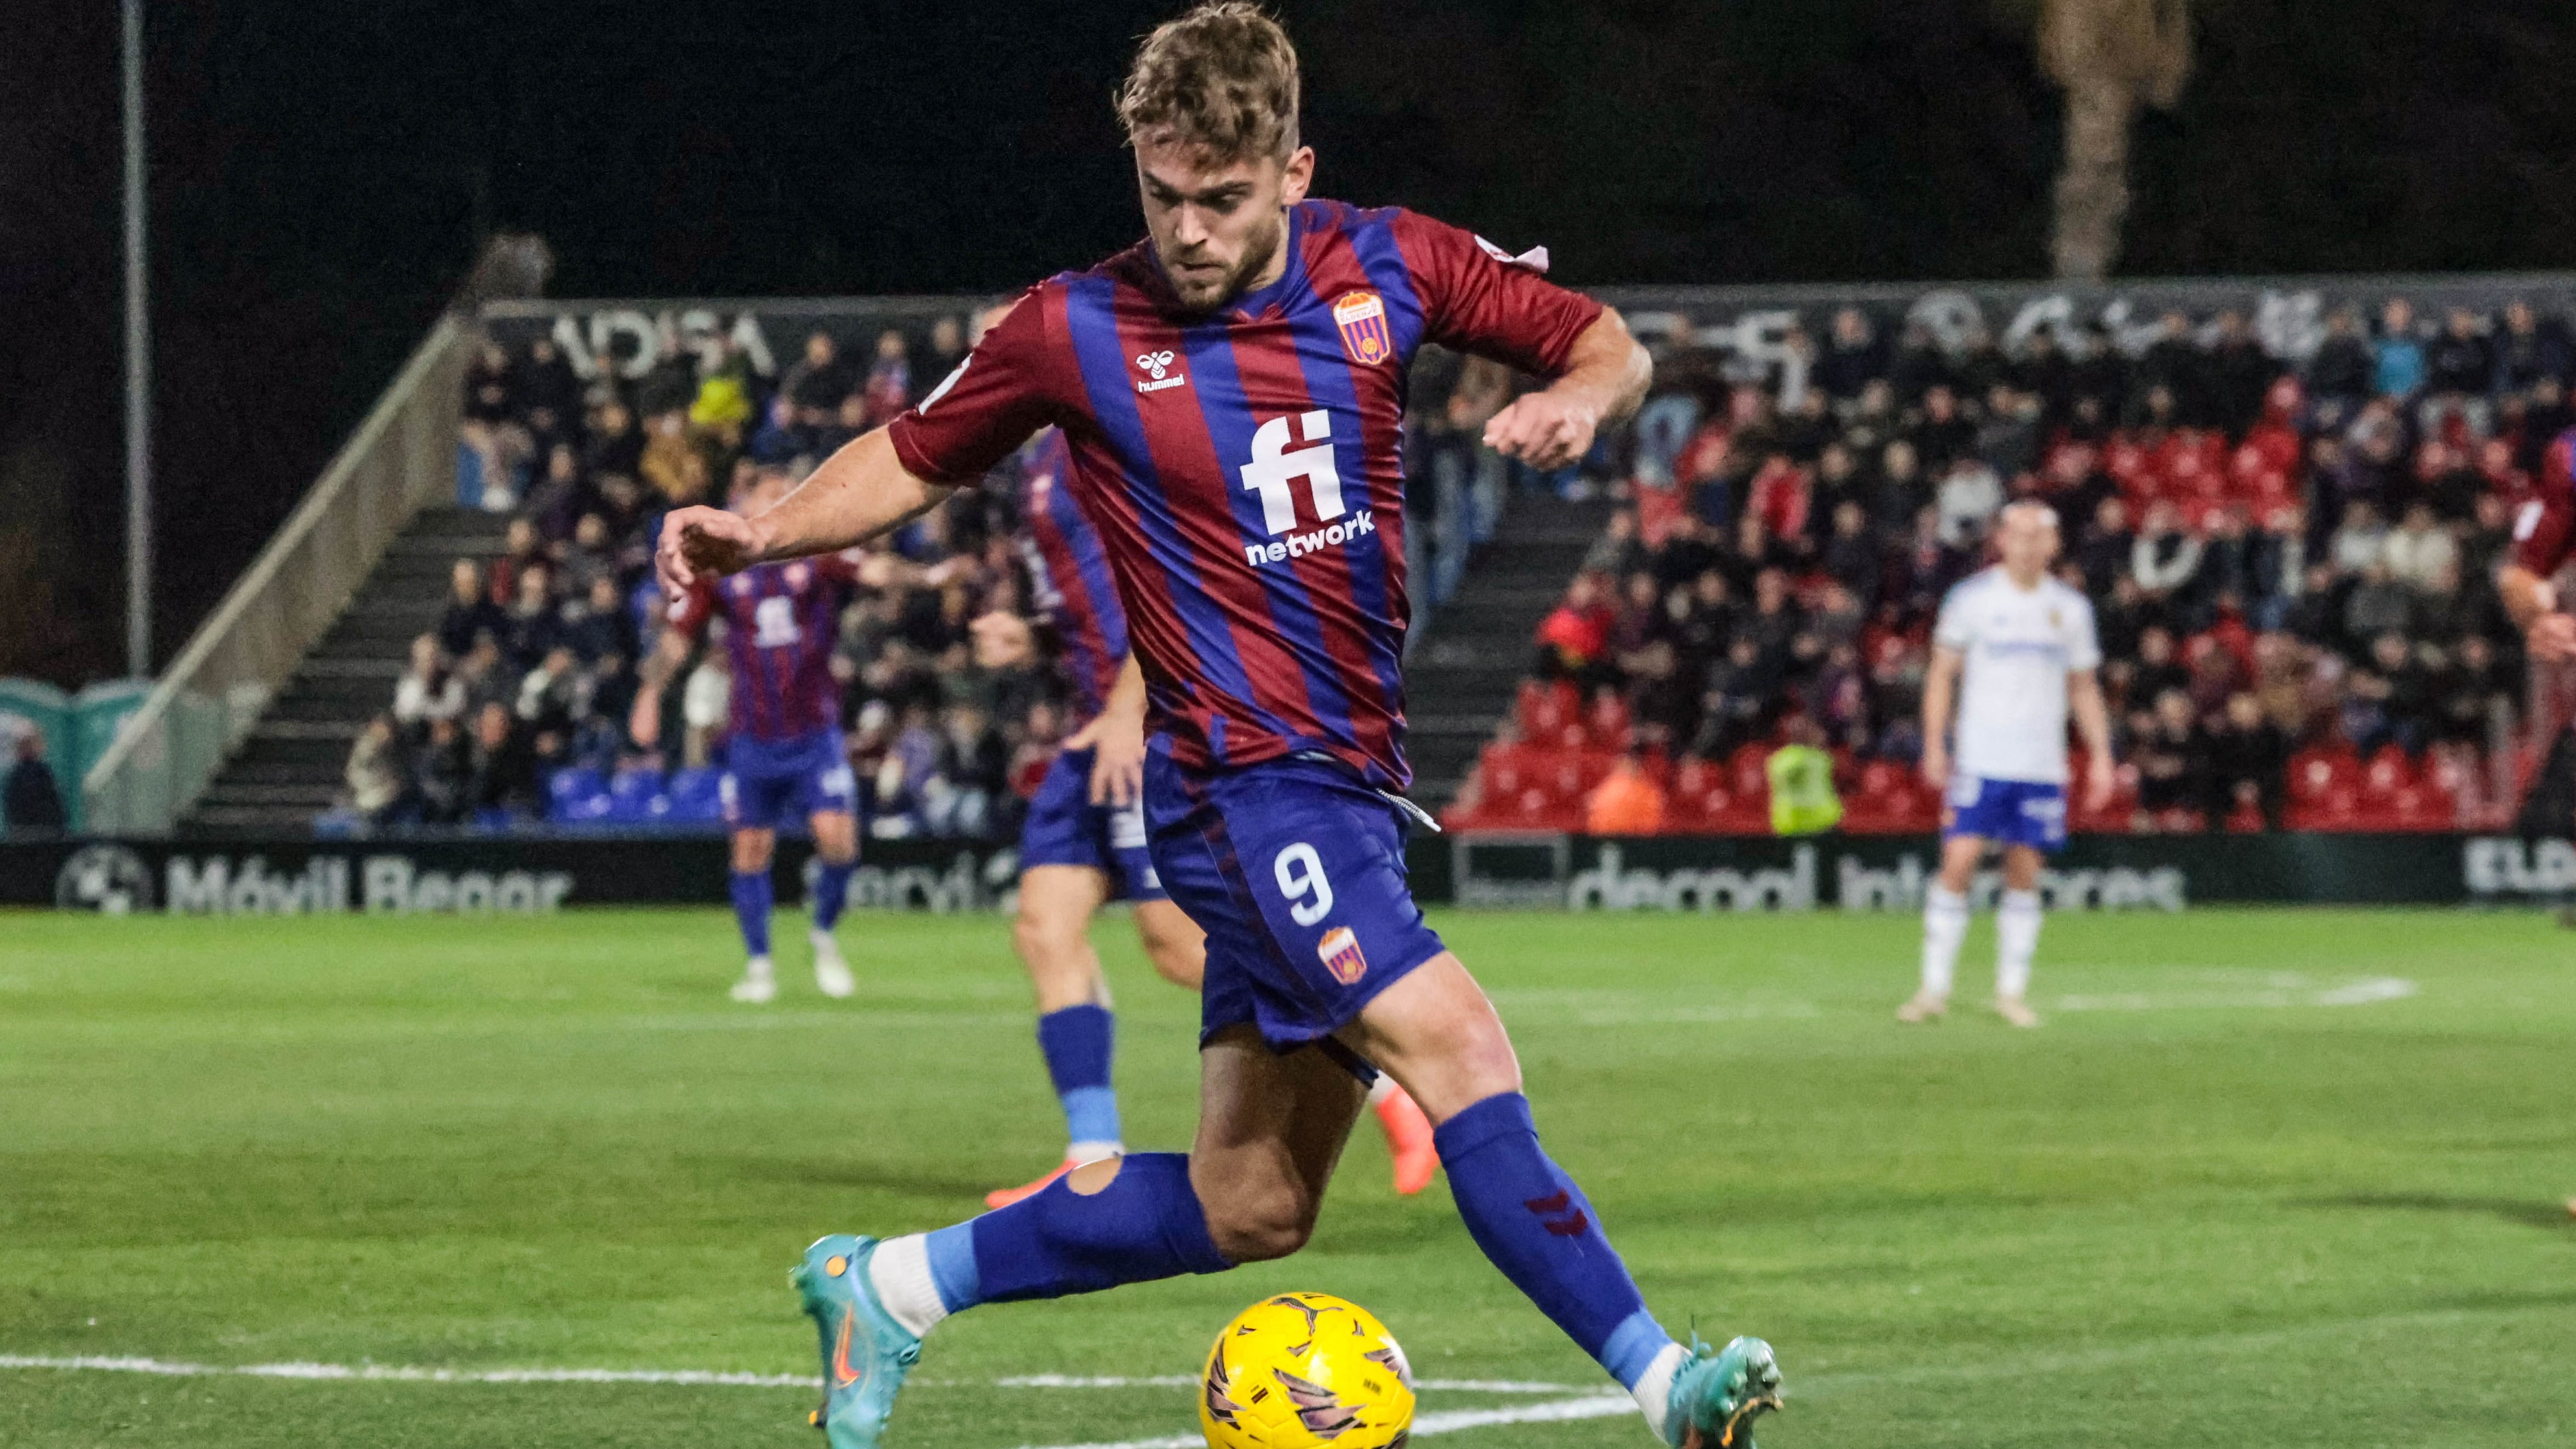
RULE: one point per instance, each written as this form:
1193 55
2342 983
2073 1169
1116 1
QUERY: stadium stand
2291 568
481 677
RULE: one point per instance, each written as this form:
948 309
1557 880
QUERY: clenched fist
704 543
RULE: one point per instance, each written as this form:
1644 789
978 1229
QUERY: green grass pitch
2266 1179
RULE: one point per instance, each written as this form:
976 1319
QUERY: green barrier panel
97 714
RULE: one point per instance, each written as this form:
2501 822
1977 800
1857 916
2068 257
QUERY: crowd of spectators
518 708
2289 559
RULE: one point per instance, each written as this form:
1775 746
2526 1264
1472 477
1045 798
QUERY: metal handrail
402 456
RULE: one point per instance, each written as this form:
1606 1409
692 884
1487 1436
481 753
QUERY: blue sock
751 908
1077 1043
1146 1224
1536 1226
831 891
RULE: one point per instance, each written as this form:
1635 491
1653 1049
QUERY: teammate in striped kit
783 757
1230 391
1083 843
2544 536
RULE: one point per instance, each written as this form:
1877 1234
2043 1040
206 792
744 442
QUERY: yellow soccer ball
1305 1370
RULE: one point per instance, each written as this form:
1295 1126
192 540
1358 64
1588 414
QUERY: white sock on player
1381 1089
900 1272
759 981
1945 925
2017 925
1654 1388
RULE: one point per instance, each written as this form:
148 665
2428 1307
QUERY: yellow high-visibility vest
1803 801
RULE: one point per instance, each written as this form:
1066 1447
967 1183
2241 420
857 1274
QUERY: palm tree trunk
2093 189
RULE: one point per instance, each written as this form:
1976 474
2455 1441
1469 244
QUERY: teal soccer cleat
1720 1392
866 1354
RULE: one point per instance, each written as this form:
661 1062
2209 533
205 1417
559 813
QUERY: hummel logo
1556 1203
1156 364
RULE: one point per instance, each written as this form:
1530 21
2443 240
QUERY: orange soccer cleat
1408 1138
1002 1197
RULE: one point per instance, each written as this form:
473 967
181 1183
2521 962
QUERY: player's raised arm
1604 380
2544 533
2548 631
858 493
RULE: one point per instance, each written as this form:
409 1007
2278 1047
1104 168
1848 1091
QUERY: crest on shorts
1362 318
1340 950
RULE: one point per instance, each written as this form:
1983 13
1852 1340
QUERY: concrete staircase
1463 674
1458 685
289 770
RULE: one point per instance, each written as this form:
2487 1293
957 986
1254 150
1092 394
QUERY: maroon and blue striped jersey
2544 533
781 623
1069 576
1243 468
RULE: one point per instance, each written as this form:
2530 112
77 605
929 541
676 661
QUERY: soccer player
1231 390
2017 648
1083 843
783 756
2544 534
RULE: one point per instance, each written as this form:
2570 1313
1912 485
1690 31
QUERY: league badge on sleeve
1362 318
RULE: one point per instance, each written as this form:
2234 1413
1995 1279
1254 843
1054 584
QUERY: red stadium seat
2314 773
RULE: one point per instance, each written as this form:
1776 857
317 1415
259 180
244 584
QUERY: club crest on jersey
1362 320
1158 366
1340 950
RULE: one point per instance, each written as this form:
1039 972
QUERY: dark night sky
319 173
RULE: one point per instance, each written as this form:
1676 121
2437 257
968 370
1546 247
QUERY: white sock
757 968
1945 925
1082 1154
2017 924
1654 1388
1381 1089
900 1272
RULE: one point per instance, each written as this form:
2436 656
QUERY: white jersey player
2017 649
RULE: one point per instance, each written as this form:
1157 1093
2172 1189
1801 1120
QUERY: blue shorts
1296 872
1065 828
768 783
2007 812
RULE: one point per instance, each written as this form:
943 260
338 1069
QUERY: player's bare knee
1258 1224
1094 1177
1178 959
751 850
1045 944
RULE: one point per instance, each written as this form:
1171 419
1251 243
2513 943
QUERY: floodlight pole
138 369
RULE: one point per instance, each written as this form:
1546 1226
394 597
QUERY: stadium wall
2288 313
1666 873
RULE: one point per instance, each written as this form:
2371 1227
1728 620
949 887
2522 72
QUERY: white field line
2363 991
1191 1381
1445 1421
395 1373
170 1368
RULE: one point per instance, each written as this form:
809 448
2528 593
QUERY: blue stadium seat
697 797
576 796
635 798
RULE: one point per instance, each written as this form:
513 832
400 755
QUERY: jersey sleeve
1955 628
1478 298
980 413
2083 641
688 614
2544 531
